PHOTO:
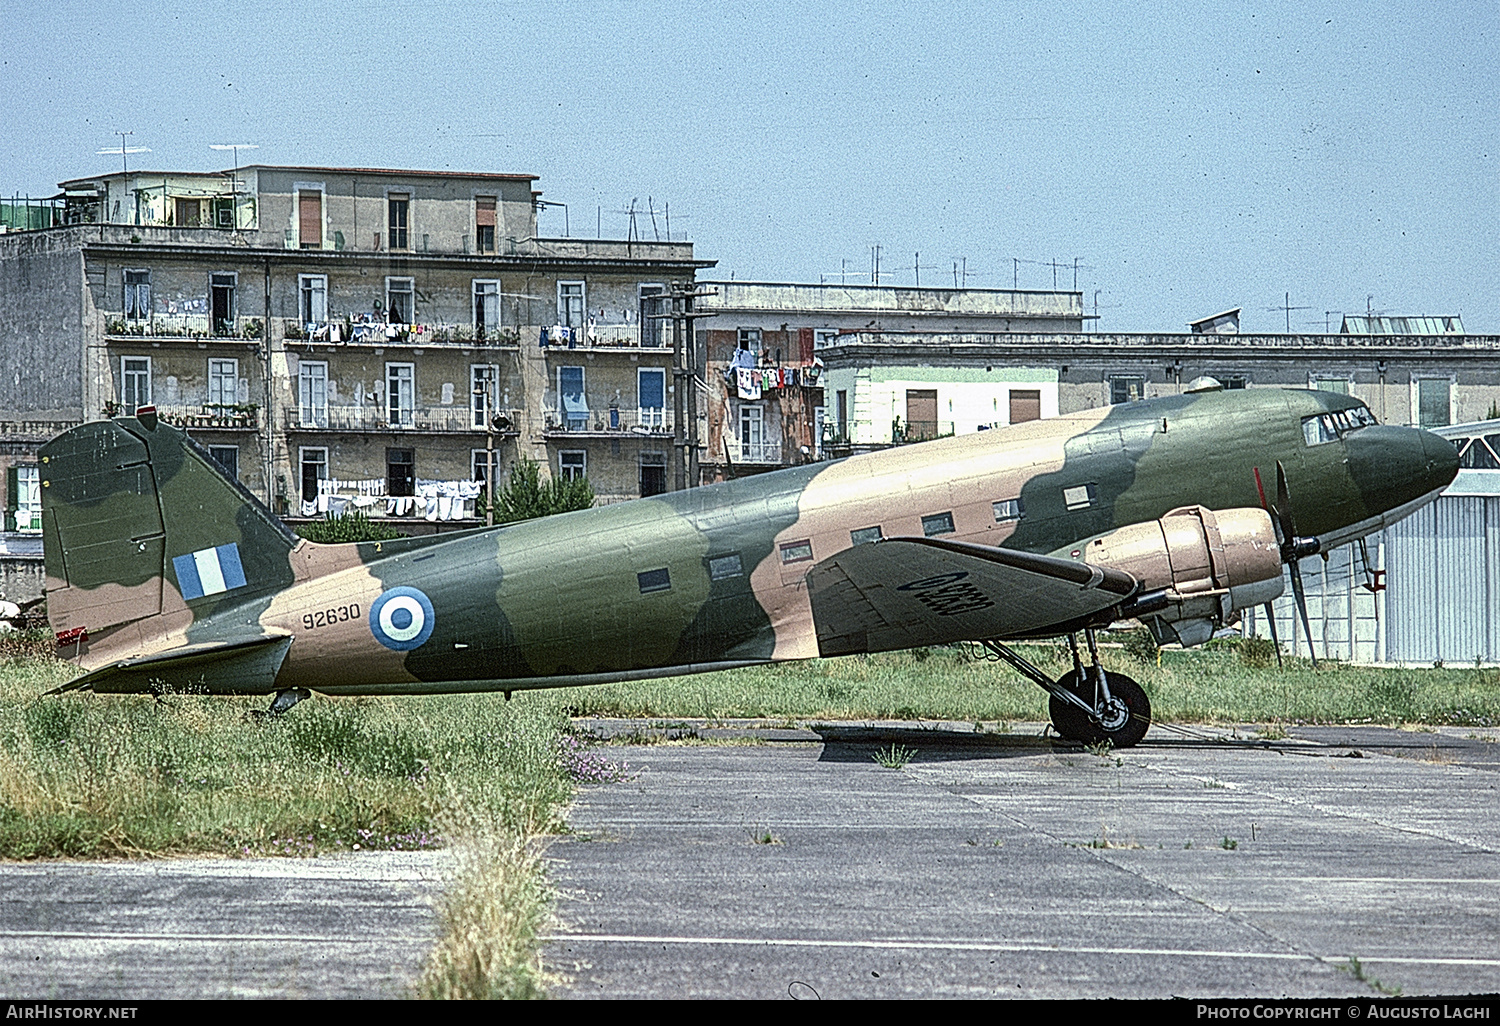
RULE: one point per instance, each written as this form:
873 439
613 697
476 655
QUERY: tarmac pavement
992 864
998 865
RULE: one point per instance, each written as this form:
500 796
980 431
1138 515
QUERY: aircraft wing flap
907 592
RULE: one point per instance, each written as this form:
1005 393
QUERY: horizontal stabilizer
908 592
239 666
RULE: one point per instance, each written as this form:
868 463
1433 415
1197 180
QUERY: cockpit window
1329 427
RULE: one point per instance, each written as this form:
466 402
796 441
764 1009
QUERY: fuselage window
654 580
1007 510
721 568
938 523
1080 496
865 534
796 552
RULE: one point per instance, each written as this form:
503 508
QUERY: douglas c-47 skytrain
162 574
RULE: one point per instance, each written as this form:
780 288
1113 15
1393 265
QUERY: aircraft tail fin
138 521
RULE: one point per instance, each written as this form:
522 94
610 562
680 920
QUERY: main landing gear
1089 704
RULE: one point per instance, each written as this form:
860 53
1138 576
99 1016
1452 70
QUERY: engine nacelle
1210 564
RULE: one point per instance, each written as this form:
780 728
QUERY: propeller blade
1271 619
1301 598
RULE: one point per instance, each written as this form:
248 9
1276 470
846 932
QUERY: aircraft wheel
1124 723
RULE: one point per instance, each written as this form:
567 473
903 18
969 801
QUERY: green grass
1202 685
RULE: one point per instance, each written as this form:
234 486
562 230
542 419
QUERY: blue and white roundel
402 619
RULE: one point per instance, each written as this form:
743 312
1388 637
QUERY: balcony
375 333
375 418
753 452
607 422
612 337
190 327
212 417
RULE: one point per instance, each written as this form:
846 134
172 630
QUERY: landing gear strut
1088 704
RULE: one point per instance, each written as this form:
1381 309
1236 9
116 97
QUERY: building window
484 224
749 340
654 306
824 337
479 459
400 395
486 308
312 394
310 219
313 302
314 469
400 472
937 523
1232 380
820 425
1126 388
227 457
864 536
651 386
1336 385
398 207
572 466
482 380
221 303
1434 402
753 447
137 295
399 308
570 304
23 499
571 399
135 382
223 382
654 474
842 398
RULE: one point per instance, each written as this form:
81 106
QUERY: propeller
1293 550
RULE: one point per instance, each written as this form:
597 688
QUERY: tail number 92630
329 617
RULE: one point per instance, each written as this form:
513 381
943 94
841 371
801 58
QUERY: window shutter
805 344
310 218
12 498
484 211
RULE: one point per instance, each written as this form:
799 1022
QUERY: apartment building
342 337
768 404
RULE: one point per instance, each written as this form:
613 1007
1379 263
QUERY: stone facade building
342 336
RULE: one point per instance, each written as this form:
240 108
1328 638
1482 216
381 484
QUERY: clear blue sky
1192 157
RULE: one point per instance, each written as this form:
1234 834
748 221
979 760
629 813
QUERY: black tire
1074 724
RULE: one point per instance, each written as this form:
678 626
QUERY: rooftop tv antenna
123 150
235 149
1287 308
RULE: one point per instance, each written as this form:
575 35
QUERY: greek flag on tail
209 571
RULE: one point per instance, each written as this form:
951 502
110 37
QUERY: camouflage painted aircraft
163 574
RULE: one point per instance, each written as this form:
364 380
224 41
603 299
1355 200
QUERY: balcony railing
612 421
195 326
753 452
603 336
212 417
374 417
380 334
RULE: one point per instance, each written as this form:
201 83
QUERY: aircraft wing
907 592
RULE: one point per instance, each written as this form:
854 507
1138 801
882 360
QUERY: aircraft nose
1395 465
